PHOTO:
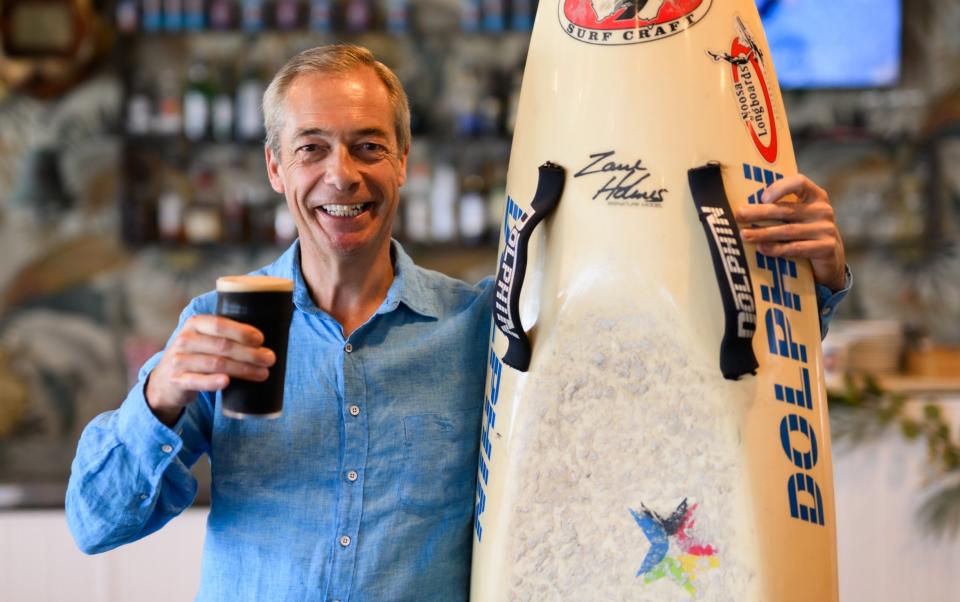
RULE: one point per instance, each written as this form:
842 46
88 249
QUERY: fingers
217 365
190 381
800 186
784 210
819 230
197 343
808 249
205 355
217 326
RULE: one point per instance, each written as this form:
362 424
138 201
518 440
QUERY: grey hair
337 59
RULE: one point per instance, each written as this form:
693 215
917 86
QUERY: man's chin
348 245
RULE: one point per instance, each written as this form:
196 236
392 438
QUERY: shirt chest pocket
440 461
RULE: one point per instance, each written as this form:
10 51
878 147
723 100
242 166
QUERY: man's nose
341 169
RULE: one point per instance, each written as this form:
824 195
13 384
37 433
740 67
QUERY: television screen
835 44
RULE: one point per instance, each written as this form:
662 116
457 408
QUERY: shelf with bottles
215 197
210 87
324 16
454 194
191 97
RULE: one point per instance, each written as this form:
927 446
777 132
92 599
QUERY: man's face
339 166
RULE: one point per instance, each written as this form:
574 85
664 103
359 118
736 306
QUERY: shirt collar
408 286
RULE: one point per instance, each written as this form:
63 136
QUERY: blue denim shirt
361 490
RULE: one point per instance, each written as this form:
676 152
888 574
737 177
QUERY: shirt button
825 311
166 449
348 348
354 410
352 475
344 540
143 496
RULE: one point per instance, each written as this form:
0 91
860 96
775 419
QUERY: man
363 488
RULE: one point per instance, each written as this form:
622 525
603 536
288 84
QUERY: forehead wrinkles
319 132
356 102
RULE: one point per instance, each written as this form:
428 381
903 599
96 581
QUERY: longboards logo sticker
752 92
612 22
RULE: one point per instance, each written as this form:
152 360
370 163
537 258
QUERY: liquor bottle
203 218
236 217
196 102
139 109
249 124
126 14
170 217
493 15
398 13
320 16
222 108
464 100
168 118
489 114
473 210
359 15
521 15
470 15
416 203
443 198
496 177
221 14
287 15
194 16
252 18
152 15
173 15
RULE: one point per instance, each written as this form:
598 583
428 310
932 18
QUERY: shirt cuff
828 300
146 437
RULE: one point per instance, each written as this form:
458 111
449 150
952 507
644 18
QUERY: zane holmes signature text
625 180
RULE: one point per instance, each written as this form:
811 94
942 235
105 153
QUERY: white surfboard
618 461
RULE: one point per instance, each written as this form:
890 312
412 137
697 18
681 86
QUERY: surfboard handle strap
731 268
512 267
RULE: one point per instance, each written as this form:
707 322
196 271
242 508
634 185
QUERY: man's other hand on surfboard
795 219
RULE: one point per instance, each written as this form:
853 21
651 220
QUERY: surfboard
655 422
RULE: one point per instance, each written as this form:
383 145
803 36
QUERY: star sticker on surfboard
672 531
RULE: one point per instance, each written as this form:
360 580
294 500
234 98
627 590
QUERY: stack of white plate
863 346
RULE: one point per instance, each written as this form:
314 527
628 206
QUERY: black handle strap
513 266
731 268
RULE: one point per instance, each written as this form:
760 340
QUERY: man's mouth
345 210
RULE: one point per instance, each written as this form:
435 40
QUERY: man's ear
273 169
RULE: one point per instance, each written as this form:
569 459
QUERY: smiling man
363 488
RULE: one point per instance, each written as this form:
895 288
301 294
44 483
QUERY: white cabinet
40 563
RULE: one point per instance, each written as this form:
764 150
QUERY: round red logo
628 21
754 102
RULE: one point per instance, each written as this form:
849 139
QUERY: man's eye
371 150
308 148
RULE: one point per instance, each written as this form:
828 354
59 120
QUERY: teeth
344 210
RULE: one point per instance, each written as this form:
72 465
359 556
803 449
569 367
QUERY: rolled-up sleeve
131 473
828 301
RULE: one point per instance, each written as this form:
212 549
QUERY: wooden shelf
909 384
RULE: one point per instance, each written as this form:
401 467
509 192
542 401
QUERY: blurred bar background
131 176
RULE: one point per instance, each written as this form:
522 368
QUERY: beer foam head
253 284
